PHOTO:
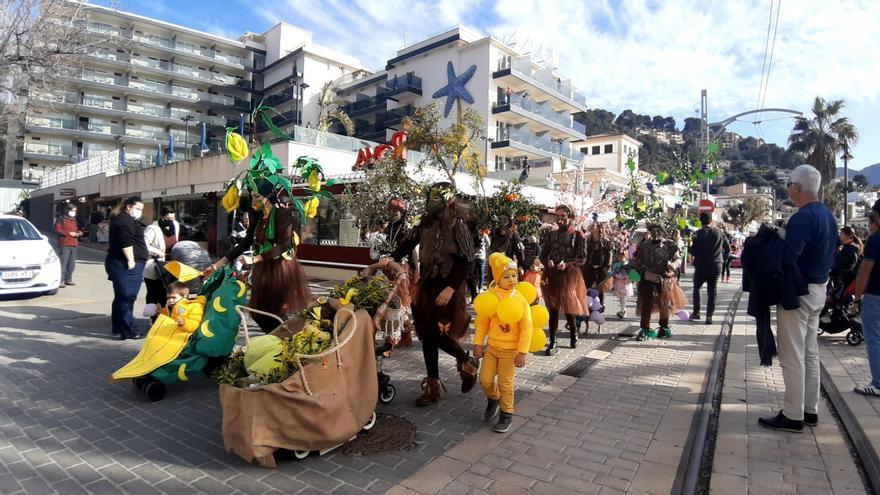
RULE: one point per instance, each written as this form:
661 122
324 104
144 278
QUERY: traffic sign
706 205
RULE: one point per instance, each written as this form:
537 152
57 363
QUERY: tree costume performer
600 253
562 254
446 256
278 282
509 331
656 261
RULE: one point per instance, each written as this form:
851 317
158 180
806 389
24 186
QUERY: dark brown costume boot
432 391
468 372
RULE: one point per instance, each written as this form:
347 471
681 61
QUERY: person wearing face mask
68 239
563 252
446 254
170 228
278 282
657 260
126 255
155 239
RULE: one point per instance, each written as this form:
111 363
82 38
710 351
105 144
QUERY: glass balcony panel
48 149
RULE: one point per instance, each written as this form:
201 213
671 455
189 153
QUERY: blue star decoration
455 87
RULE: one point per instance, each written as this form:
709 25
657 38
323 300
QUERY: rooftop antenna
404 37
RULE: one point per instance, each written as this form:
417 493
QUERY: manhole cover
391 433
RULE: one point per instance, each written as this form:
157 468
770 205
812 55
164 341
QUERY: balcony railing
542 110
48 149
527 138
406 83
73 125
145 134
365 105
544 79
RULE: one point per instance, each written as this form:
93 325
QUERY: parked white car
28 263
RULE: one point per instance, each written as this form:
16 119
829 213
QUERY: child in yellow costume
509 331
169 335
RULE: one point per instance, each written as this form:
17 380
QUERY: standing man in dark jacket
126 256
810 241
707 249
68 239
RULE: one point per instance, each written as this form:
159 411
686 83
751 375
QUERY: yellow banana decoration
314 181
311 207
236 147
348 296
205 330
217 306
241 288
231 199
181 373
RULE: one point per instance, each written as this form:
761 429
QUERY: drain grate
390 434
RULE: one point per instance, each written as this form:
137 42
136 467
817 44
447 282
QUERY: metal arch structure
722 125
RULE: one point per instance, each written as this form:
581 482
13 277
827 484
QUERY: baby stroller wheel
854 337
371 423
387 393
301 454
153 390
139 382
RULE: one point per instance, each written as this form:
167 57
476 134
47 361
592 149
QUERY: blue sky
648 55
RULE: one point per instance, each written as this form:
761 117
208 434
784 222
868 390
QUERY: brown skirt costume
280 287
566 291
667 294
427 316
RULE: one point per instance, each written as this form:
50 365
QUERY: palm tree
331 109
822 136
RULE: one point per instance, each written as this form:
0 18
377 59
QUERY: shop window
324 228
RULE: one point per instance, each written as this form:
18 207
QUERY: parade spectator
126 255
479 275
656 261
847 257
170 228
600 254
155 239
725 257
506 240
68 240
868 302
95 220
239 231
707 250
810 240
563 253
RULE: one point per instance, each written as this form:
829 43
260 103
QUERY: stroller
837 316
389 324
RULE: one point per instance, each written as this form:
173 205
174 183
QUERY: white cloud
653 57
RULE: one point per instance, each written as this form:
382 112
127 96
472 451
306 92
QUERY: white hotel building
152 82
527 107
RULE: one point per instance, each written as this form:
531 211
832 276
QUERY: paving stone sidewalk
64 429
619 428
755 460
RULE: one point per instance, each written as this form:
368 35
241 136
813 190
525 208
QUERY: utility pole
846 158
704 131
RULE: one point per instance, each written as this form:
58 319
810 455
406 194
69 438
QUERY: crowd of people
573 263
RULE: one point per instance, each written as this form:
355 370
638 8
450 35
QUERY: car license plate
18 275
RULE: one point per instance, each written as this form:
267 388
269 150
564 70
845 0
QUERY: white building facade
526 105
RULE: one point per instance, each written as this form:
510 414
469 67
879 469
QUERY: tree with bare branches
452 149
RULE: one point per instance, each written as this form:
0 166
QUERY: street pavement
752 459
65 429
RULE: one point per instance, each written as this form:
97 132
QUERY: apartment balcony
529 142
408 83
117 84
395 116
144 136
543 80
47 152
165 44
540 112
70 127
366 106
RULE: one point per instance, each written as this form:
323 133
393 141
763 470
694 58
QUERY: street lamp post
302 89
186 121
846 158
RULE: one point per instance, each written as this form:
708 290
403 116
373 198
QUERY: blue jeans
126 285
871 328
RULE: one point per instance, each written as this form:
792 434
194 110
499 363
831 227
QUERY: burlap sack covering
323 405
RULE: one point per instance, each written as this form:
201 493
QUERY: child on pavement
508 342
622 288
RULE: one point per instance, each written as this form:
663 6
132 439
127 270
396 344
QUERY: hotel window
609 148
595 150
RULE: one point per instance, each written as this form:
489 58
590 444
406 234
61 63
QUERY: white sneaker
867 390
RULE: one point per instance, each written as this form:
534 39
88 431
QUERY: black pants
431 345
764 335
710 278
554 324
725 269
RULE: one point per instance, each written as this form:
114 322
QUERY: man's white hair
807 177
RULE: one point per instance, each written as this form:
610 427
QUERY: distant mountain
872 172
